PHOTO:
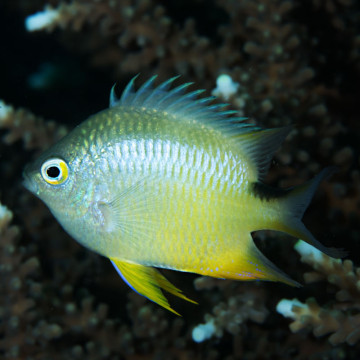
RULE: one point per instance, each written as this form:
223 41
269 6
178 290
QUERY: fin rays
148 282
180 105
259 145
295 204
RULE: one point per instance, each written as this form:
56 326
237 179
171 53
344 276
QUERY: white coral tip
203 332
304 249
4 109
5 216
40 20
225 87
284 307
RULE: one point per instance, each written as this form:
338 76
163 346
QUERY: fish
167 179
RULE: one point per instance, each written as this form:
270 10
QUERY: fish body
162 179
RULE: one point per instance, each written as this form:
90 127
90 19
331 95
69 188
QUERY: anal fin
247 264
148 282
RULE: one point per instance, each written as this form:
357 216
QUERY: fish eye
55 171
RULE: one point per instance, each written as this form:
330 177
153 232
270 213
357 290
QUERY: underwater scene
180 179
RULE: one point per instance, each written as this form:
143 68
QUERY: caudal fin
293 207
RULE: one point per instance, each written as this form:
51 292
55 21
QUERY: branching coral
262 29
340 318
23 125
129 35
232 316
16 311
137 35
244 304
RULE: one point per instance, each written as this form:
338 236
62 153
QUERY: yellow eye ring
55 171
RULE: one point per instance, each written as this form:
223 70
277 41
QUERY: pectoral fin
148 282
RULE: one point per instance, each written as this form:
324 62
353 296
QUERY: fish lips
29 181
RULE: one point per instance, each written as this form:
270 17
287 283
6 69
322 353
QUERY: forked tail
293 206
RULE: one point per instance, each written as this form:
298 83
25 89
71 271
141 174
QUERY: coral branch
342 318
15 268
32 130
232 316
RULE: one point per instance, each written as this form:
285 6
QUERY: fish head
56 178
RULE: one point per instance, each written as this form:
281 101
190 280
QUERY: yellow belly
189 229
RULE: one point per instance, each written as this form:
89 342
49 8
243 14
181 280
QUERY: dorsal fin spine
170 94
177 92
166 84
189 96
188 106
113 98
147 86
129 90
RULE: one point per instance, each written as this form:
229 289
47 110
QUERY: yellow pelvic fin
148 282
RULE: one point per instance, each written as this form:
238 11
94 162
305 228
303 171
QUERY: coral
261 29
22 125
343 326
16 311
340 318
232 316
133 36
225 87
129 35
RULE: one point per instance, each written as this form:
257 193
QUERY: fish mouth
29 183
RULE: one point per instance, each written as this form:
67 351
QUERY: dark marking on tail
266 192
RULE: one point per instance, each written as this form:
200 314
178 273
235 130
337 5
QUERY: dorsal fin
257 144
181 104
260 147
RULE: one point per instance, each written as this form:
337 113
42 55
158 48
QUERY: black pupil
53 172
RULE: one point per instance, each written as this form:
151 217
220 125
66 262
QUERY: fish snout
29 182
